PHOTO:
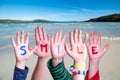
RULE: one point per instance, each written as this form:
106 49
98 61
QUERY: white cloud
94 11
78 9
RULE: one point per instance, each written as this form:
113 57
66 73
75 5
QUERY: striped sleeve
59 72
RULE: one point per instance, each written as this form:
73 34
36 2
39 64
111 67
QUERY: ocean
109 30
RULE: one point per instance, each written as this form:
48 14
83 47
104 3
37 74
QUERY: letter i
58 48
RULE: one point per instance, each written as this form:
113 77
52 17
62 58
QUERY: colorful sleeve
20 74
95 77
59 72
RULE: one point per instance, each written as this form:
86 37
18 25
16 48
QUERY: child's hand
94 47
42 43
58 47
78 49
43 53
95 52
21 49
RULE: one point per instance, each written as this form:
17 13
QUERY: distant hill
107 18
10 20
40 20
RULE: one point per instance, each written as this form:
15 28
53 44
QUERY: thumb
105 48
67 48
86 40
32 49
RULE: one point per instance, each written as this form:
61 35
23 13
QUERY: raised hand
21 49
43 53
94 46
95 52
77 49
42 43
58 47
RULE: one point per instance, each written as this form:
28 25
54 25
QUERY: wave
111 38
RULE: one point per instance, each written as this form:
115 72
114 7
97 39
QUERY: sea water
109 30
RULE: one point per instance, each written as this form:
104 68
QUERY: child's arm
95 53
22 54
43 53
59 72
56 65
77 51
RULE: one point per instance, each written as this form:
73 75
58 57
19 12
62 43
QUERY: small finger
80 36
86 40
75 35
18 38
71 38
44 34
37 35
91 38
59 35
64 38
40 33
27 38
95 38
99 39
56 37
22 36
13 42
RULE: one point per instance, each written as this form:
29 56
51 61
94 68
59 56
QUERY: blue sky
57 10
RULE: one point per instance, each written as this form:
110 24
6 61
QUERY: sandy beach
109 65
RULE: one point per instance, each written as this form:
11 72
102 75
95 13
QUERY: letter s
22 48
